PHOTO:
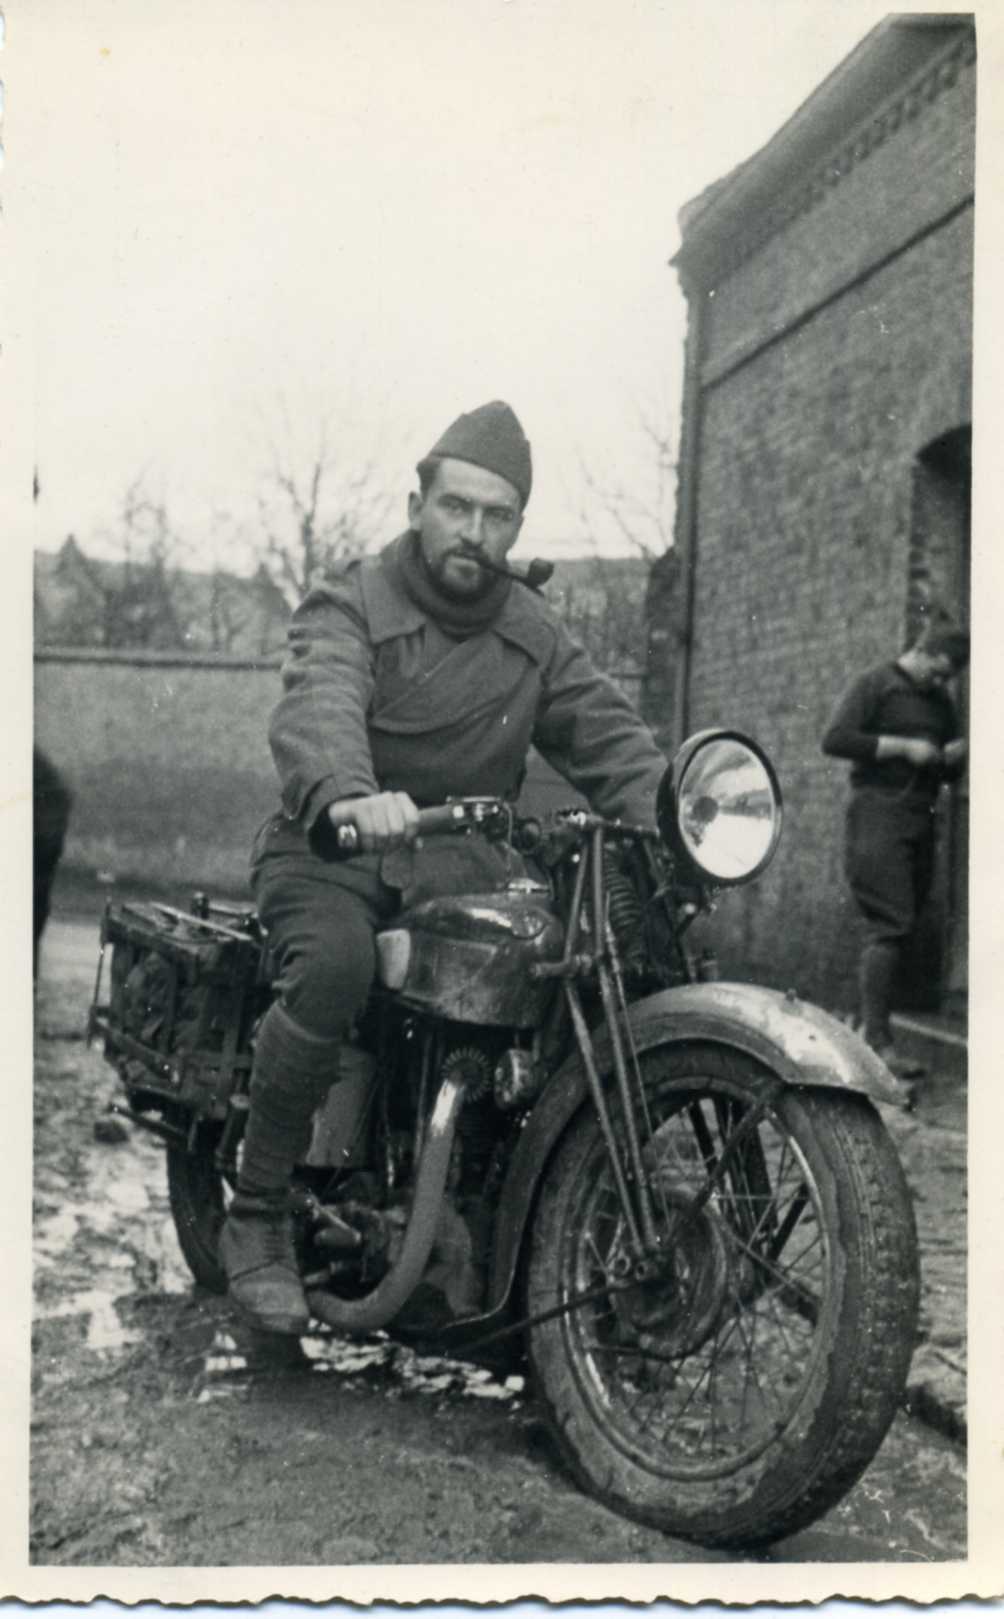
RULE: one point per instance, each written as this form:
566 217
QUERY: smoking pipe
538 572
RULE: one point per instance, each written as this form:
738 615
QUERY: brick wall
920 170
832 361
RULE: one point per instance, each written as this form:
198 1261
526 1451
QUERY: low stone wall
167 757
169 763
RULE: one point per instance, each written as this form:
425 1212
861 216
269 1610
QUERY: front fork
651 1223
645 1242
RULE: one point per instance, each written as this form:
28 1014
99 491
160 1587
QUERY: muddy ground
161 1436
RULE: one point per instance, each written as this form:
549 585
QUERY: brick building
824 460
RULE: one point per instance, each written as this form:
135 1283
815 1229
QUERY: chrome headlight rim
668 807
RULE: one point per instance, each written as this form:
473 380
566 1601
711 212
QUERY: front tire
739 1393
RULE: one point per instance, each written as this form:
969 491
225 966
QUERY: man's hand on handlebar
383 820
954 753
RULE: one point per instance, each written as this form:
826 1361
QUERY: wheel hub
682 1300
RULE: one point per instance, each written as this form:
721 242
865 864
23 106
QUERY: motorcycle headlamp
719 807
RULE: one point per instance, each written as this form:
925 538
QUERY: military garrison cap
489 437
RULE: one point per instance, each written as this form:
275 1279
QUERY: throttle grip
437 818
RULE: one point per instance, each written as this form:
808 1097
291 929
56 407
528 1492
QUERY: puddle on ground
122 1226
104 1329
421 1374
122 1223
376 1360
54 1235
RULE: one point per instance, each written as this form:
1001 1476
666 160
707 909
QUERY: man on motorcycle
899 728
413 676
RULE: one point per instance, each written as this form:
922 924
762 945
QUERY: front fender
799 1042
802 1044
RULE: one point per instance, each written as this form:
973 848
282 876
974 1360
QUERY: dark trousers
321 920
889 861
321 916
321 923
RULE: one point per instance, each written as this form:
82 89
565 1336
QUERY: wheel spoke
801 1296
766 1259
790 1221
751 1374
635 1351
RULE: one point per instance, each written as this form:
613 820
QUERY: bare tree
316 515
132 596
150 603
235 612
607 601
601 602
640 514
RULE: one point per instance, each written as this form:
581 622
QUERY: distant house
824 482
142 603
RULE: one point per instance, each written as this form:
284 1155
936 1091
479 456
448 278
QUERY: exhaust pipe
387 1298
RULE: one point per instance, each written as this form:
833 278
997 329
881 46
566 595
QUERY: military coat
377 697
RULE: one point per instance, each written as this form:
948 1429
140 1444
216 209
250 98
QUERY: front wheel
741 1388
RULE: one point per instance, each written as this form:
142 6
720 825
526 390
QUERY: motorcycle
555 1135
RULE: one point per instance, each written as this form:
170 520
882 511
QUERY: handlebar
436 818
494 817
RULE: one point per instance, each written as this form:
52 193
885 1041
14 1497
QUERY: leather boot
876 972
879 961
256 1251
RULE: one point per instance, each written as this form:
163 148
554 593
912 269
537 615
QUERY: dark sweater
886 702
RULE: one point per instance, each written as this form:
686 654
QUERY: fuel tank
468 956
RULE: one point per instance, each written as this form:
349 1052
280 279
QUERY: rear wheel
198 1195
737 1392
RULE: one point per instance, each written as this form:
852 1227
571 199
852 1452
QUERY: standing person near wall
417 675
51 799
899 727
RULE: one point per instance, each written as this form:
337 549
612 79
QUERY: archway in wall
940 568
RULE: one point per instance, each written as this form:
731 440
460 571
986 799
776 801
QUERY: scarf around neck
404 562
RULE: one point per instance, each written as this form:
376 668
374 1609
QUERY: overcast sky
233 223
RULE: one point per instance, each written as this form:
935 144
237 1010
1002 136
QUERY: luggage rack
184 992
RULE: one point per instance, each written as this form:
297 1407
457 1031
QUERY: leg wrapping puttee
292 1072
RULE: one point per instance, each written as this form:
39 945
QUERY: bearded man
413 676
